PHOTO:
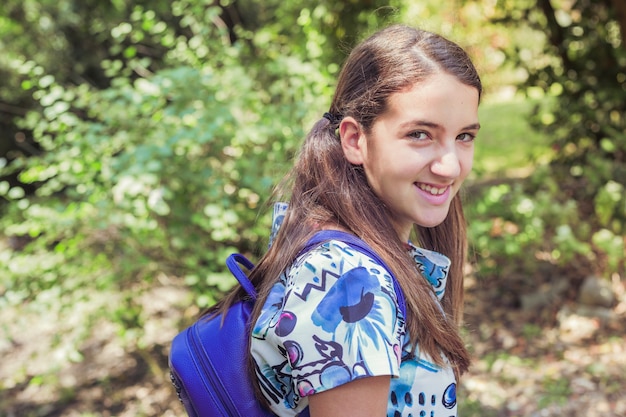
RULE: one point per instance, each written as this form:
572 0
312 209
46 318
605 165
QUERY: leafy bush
165 173
575 206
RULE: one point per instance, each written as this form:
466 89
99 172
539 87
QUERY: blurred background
140 140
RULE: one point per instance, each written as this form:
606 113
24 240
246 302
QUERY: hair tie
333 119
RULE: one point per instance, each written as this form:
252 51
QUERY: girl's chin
432 220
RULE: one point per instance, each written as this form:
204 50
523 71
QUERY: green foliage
575 70
509 221
162 172
507 224
556 391
160 168
473 408
168 167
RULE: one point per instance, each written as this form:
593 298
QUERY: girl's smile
434 194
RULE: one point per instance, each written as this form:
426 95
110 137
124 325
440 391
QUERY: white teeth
432 190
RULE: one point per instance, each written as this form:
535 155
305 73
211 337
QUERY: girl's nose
447 165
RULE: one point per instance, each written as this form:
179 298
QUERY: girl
384 164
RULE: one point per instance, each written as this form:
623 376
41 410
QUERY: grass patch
507 145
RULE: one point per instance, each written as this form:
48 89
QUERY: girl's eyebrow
436 126
473 126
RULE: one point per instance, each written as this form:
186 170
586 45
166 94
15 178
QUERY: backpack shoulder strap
361 246
234 263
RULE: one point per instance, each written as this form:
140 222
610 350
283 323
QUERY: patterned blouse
332 318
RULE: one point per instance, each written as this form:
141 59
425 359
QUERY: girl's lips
434 195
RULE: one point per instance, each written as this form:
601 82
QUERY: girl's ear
353 140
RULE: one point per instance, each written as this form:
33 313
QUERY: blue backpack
209 360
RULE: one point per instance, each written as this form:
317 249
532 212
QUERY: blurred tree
580 67
152 132
72 42
88 42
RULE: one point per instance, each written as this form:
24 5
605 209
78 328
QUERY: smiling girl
384 164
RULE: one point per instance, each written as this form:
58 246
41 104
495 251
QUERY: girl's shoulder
336 254
339 268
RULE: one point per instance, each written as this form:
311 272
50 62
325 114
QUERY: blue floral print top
332 318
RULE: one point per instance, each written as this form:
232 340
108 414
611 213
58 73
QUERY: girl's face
419 152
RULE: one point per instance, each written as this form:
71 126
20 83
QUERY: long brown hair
324 188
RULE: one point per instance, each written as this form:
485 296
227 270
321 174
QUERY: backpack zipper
214 384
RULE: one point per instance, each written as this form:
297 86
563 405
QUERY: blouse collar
433 266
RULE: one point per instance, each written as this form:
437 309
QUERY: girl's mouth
431 189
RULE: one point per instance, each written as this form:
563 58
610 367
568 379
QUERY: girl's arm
365 397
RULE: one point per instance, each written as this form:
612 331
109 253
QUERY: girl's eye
466 137
418 135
